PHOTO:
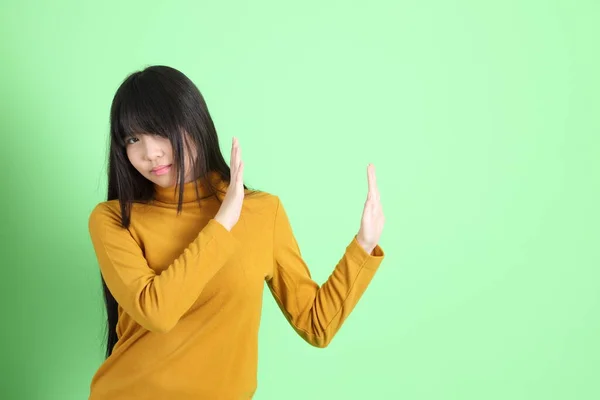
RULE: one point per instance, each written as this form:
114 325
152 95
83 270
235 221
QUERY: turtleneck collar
171 194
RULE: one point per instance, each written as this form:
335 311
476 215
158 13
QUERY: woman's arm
156 302
318 312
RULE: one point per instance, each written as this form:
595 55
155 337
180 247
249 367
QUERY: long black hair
163 101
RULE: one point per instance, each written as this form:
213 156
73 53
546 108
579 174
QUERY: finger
372 188
240 175
372 178
233 162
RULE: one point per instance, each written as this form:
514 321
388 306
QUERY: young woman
184 249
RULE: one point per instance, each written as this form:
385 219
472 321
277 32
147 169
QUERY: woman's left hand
372 220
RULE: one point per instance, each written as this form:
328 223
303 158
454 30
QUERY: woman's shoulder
259 197
105 211
255 201
261 202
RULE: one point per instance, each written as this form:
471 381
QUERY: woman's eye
131 140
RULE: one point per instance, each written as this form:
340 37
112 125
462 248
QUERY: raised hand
371 224
231 208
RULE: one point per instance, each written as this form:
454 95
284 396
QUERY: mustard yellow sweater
190 294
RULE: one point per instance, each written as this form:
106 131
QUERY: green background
481 118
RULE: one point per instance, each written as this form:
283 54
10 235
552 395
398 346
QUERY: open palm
231 208
371 224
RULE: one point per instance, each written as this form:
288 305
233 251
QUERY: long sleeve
156 301
317 312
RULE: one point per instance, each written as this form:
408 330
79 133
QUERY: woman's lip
161 170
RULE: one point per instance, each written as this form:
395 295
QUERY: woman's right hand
231 208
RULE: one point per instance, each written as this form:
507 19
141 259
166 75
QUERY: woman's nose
153 149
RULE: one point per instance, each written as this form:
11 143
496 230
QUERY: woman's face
152 156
